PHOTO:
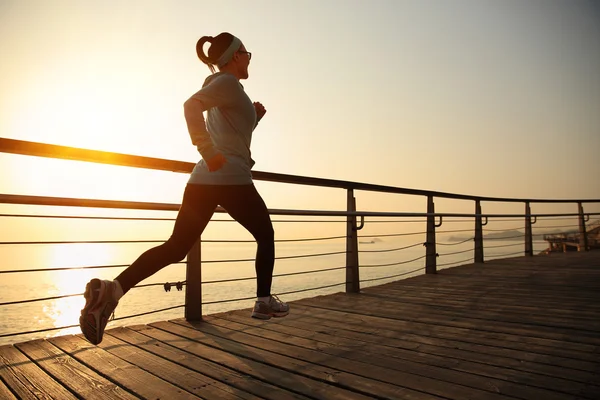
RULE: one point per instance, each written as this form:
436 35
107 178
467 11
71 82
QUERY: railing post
193 286
583 242
478 233
528 232
431 255
352 276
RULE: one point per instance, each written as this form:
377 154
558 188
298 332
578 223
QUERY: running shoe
99 305
274 308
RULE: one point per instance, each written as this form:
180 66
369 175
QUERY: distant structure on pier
571 241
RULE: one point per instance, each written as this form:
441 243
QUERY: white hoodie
231 119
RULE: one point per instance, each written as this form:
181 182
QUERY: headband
228 54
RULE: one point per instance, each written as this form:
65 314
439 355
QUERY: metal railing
353 219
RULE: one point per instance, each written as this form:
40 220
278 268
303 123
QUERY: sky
490 98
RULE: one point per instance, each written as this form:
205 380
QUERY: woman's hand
216 162
260 110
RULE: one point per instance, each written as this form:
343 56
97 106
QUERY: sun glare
65 311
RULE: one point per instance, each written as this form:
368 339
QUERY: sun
65 311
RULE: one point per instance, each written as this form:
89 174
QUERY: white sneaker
99 305
274 308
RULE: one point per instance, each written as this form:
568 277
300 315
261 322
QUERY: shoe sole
89 322
268 316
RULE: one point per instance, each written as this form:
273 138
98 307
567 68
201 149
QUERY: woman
222 177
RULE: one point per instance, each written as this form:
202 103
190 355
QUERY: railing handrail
23 147
140 205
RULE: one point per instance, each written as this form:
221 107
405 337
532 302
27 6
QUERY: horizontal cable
454 244
391 235
504 245
455 231
174 284
504 238
456 252
160 241
275 276
310 272
502 230
456 262
67 295
243 279
389 265
315 288
76 326
277 258
148 312
508 254
61 269
393 276
388 250
228 300
282 293
70 268
289 220
311 255
560 226
84 242
86 217
40 299
37 331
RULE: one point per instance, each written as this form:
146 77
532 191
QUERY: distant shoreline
511 234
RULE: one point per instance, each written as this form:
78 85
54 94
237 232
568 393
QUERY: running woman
222 177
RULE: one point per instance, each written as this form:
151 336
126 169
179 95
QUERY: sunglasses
246 52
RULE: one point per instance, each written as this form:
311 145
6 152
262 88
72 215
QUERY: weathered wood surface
521 328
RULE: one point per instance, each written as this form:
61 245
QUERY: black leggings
242 202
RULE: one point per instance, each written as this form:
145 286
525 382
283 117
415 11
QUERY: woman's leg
197 207
246 206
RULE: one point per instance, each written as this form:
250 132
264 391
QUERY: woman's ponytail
218 45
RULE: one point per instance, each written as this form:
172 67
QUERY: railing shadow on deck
351 217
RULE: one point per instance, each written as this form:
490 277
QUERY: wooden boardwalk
521 328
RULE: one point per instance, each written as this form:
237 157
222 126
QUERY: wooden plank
496 321
496 286
394 359
482 301
408 325
70 373
510 289
585 327
510 294
171 372
452 351
239 358
5 392
27 380
396 310
379 380
125 374
507 293
243 385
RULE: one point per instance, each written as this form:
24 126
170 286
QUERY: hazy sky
495 98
